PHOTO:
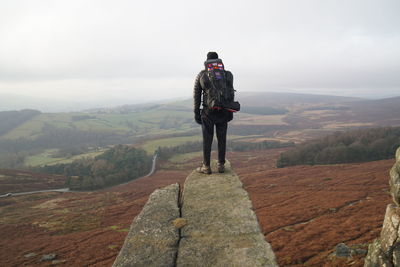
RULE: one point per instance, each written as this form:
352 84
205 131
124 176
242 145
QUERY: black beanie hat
212 55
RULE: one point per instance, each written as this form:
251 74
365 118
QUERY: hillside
304 211
383 111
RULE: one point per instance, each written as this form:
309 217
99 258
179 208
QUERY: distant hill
289 99
343 111
383 111
181 104
11 119
391 101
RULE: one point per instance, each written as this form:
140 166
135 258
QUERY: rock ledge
385 251
213 224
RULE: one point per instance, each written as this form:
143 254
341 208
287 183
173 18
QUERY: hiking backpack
218 91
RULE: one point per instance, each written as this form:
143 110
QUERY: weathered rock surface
342 251
394 180
48 257
221 229
153 238
30 255
385 251
214 225
376 257
390 229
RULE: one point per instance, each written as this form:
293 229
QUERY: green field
163 120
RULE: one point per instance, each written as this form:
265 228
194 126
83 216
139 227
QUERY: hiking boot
221 167
204 169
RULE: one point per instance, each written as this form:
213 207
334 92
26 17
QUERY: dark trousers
220 120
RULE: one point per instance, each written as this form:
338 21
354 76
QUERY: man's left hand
197 116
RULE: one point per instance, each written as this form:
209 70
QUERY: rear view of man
214 89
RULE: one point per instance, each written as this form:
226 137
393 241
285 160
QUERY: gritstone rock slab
221 229
153 238
394 180
390 228
385 251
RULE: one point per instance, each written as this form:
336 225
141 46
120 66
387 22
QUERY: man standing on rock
214 89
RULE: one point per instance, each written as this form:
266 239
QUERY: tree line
119 164
345 147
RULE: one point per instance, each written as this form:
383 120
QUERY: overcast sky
142 50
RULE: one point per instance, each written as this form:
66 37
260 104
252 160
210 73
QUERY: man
210 116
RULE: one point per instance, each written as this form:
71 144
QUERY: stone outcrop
385 251
394 180
213 225
153 239
222 228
